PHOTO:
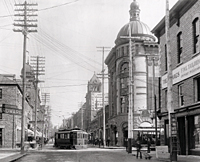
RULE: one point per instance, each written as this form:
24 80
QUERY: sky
68 34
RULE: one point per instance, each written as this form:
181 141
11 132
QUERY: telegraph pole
38 66
153 61
45 99
131 87
102 72
24 24
173 153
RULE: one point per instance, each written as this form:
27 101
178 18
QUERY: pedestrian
108 141
138 147
148 145
126 144
99 142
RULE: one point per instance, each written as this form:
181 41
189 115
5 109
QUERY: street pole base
129 150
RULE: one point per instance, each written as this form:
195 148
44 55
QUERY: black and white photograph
99 80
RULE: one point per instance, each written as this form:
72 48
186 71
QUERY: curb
13 157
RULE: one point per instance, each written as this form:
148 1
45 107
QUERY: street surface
95 155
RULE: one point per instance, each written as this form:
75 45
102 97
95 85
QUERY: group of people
138 145
99 141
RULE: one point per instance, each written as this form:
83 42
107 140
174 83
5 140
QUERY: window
166 99
165 57
0 115
0 93
195 26
180 95
179 47
124 68
122 104
122 51
197 89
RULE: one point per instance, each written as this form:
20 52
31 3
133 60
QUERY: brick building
10 125
185 47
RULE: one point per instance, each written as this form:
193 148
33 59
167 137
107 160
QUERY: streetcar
71 139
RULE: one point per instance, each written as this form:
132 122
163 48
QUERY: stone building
184 47
143 45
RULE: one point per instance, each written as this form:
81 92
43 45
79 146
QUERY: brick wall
187 35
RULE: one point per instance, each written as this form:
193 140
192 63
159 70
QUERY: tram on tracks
71 139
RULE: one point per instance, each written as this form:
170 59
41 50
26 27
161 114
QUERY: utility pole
153 61
24 25
103 106
131 108
173 153
45 99
37 62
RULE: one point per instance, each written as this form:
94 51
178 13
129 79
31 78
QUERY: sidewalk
7 155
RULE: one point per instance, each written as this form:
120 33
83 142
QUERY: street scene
110 81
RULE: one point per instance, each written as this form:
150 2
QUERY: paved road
86 155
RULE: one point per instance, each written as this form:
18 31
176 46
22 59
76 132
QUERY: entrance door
0 137
181 134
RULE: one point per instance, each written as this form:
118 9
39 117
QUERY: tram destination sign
10 109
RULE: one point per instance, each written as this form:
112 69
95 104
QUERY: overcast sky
68 33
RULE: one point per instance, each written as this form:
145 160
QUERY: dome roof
139 30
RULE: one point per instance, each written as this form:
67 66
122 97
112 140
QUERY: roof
180 8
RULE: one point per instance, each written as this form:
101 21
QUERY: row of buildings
150 80
11 109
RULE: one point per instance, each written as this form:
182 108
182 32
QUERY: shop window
197 89
179 47
180 95
195 26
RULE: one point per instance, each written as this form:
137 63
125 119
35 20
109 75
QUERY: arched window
124 68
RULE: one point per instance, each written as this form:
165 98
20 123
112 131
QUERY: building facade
10 123
143 46
184 47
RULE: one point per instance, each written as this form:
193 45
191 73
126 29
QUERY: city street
87 155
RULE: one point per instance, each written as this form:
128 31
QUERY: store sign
10 109
184 71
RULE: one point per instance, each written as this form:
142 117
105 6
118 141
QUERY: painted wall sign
184 71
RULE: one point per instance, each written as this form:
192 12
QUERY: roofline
173 14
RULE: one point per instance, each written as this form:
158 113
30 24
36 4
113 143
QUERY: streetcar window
67 136
62 136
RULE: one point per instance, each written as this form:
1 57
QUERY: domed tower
143 45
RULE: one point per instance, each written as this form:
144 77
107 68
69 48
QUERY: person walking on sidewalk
99 142
138 147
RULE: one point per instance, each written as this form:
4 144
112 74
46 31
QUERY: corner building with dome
144 48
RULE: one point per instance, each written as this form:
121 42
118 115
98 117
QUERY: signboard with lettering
173 125
10 109
184 71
